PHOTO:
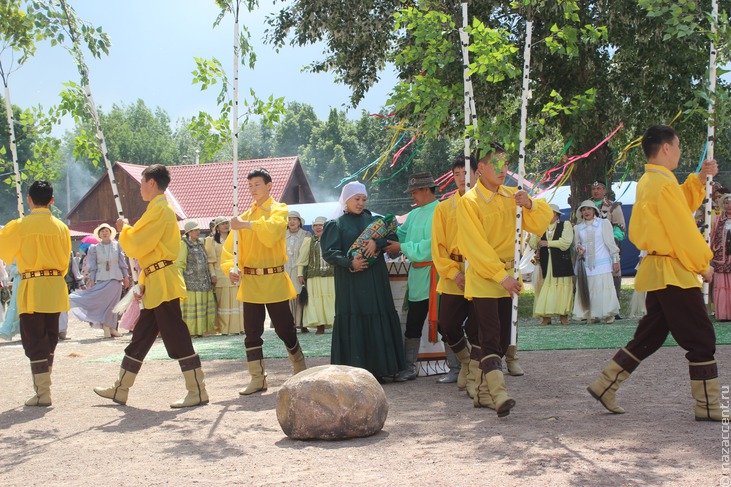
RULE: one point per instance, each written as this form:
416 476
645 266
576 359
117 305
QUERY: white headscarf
349 190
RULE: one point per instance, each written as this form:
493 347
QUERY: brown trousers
456 312
682 313
39 335
254 316
168 321
493 324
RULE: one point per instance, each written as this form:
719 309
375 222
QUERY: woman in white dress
594 241
108 275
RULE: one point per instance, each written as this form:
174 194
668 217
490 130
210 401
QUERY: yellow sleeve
567 236
537 218
227 254
694 191
142 238
9 241
182 261
210 246
474 246
445 266
270 230
303 256
688 244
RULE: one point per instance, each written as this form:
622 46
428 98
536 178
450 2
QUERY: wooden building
196 192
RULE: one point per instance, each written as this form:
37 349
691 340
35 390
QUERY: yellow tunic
662 223
486 236
153 238
261 247
444 244
37 242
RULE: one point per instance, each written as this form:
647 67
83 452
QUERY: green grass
532 336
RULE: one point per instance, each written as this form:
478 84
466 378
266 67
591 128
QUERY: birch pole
711 133
84 71
470 114
526 94
235 132
13 150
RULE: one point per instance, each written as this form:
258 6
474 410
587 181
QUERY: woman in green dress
367 331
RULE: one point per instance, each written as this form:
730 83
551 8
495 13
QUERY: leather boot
297 359
127 375
411 352
605 387
511 360
705 390
194 383
481 397
492 384
258 378
454 367
41 384
473 373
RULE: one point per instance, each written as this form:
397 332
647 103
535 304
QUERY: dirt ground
556 435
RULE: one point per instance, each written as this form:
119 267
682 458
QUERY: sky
151 58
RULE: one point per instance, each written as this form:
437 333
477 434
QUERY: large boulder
331 402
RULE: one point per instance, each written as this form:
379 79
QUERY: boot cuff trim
294 350
490 363
626 361
190 363
459 346
131 365
703 372
476 353
39 367
254 354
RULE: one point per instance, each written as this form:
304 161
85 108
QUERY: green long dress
367 332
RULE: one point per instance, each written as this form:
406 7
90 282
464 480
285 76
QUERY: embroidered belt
157 266
509 265
657 255
263 271
42 273
456 257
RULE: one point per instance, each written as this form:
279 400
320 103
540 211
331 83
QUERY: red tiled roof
206 190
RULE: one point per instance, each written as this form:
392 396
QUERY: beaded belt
43 273
456 257
263 271
157 266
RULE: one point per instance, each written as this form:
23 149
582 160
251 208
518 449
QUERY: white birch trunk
235 132
13 150
711 136
521 172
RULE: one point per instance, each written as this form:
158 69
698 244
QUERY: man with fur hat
486 223
296 235
264 285
155 242
415 243
319 278
662 224
40 244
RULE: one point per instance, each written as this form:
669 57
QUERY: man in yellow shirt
40 244
155 242
662 224
262 252
486 222
454 309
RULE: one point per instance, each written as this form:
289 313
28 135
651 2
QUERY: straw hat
190 226
218 220
320 220
295 214
588 204
102 227
555 208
